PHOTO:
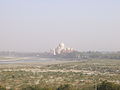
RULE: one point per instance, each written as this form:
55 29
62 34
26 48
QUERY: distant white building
61 49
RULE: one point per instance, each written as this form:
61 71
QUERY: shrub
2 88
64 87
108 86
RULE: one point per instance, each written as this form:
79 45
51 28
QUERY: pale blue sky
38 25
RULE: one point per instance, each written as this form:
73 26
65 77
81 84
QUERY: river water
25 61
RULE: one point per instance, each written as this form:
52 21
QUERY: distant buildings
61 49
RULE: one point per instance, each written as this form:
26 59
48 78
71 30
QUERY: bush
2 88
108 86
64 87
36 87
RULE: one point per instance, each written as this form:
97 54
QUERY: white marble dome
62 45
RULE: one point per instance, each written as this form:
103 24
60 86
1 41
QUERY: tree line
105 85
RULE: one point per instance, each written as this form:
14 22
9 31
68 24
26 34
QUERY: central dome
61 44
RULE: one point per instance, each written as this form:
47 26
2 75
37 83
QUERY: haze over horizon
39 25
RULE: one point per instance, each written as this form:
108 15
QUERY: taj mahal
61 49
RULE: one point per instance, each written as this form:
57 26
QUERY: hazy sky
38 25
